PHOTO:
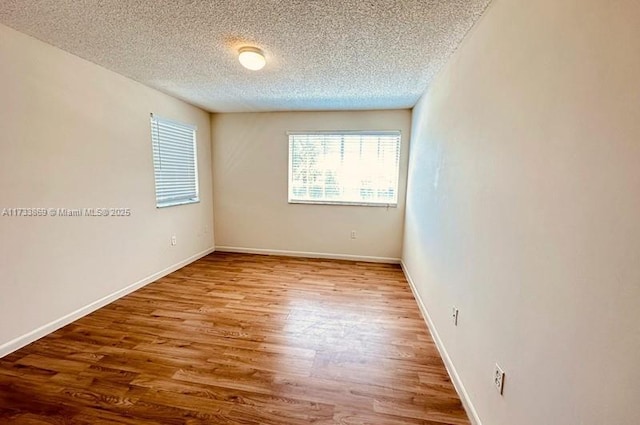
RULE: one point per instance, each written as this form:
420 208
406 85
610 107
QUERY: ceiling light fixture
252 58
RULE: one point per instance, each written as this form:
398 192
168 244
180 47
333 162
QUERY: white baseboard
34 335
350 257
451 369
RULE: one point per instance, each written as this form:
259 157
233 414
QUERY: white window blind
174 162
356 167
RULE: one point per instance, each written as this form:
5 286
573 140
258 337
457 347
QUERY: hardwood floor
241 339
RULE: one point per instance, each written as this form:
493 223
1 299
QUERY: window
352 168
174 162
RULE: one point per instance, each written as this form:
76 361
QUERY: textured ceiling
321 54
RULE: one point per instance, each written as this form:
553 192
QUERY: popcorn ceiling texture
321 54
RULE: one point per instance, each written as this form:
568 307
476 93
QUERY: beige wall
75 135
523 210
250 188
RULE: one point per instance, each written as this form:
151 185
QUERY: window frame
155 120
396 133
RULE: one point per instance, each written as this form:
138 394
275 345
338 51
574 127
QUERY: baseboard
28 338
451 369
350 257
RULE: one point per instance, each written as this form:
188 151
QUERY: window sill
174 204
353 204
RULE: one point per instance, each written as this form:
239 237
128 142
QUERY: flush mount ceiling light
252 58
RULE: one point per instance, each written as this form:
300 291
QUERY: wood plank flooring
241 339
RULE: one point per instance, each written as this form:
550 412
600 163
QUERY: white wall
74 135
523 210
250 160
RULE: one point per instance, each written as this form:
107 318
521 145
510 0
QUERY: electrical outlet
498 379
353 234
454 316
174 241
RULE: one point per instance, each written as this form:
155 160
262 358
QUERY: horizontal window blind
344 167
174 162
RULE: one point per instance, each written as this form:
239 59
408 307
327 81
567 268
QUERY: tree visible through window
344 167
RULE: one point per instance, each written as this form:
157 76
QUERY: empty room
298 212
